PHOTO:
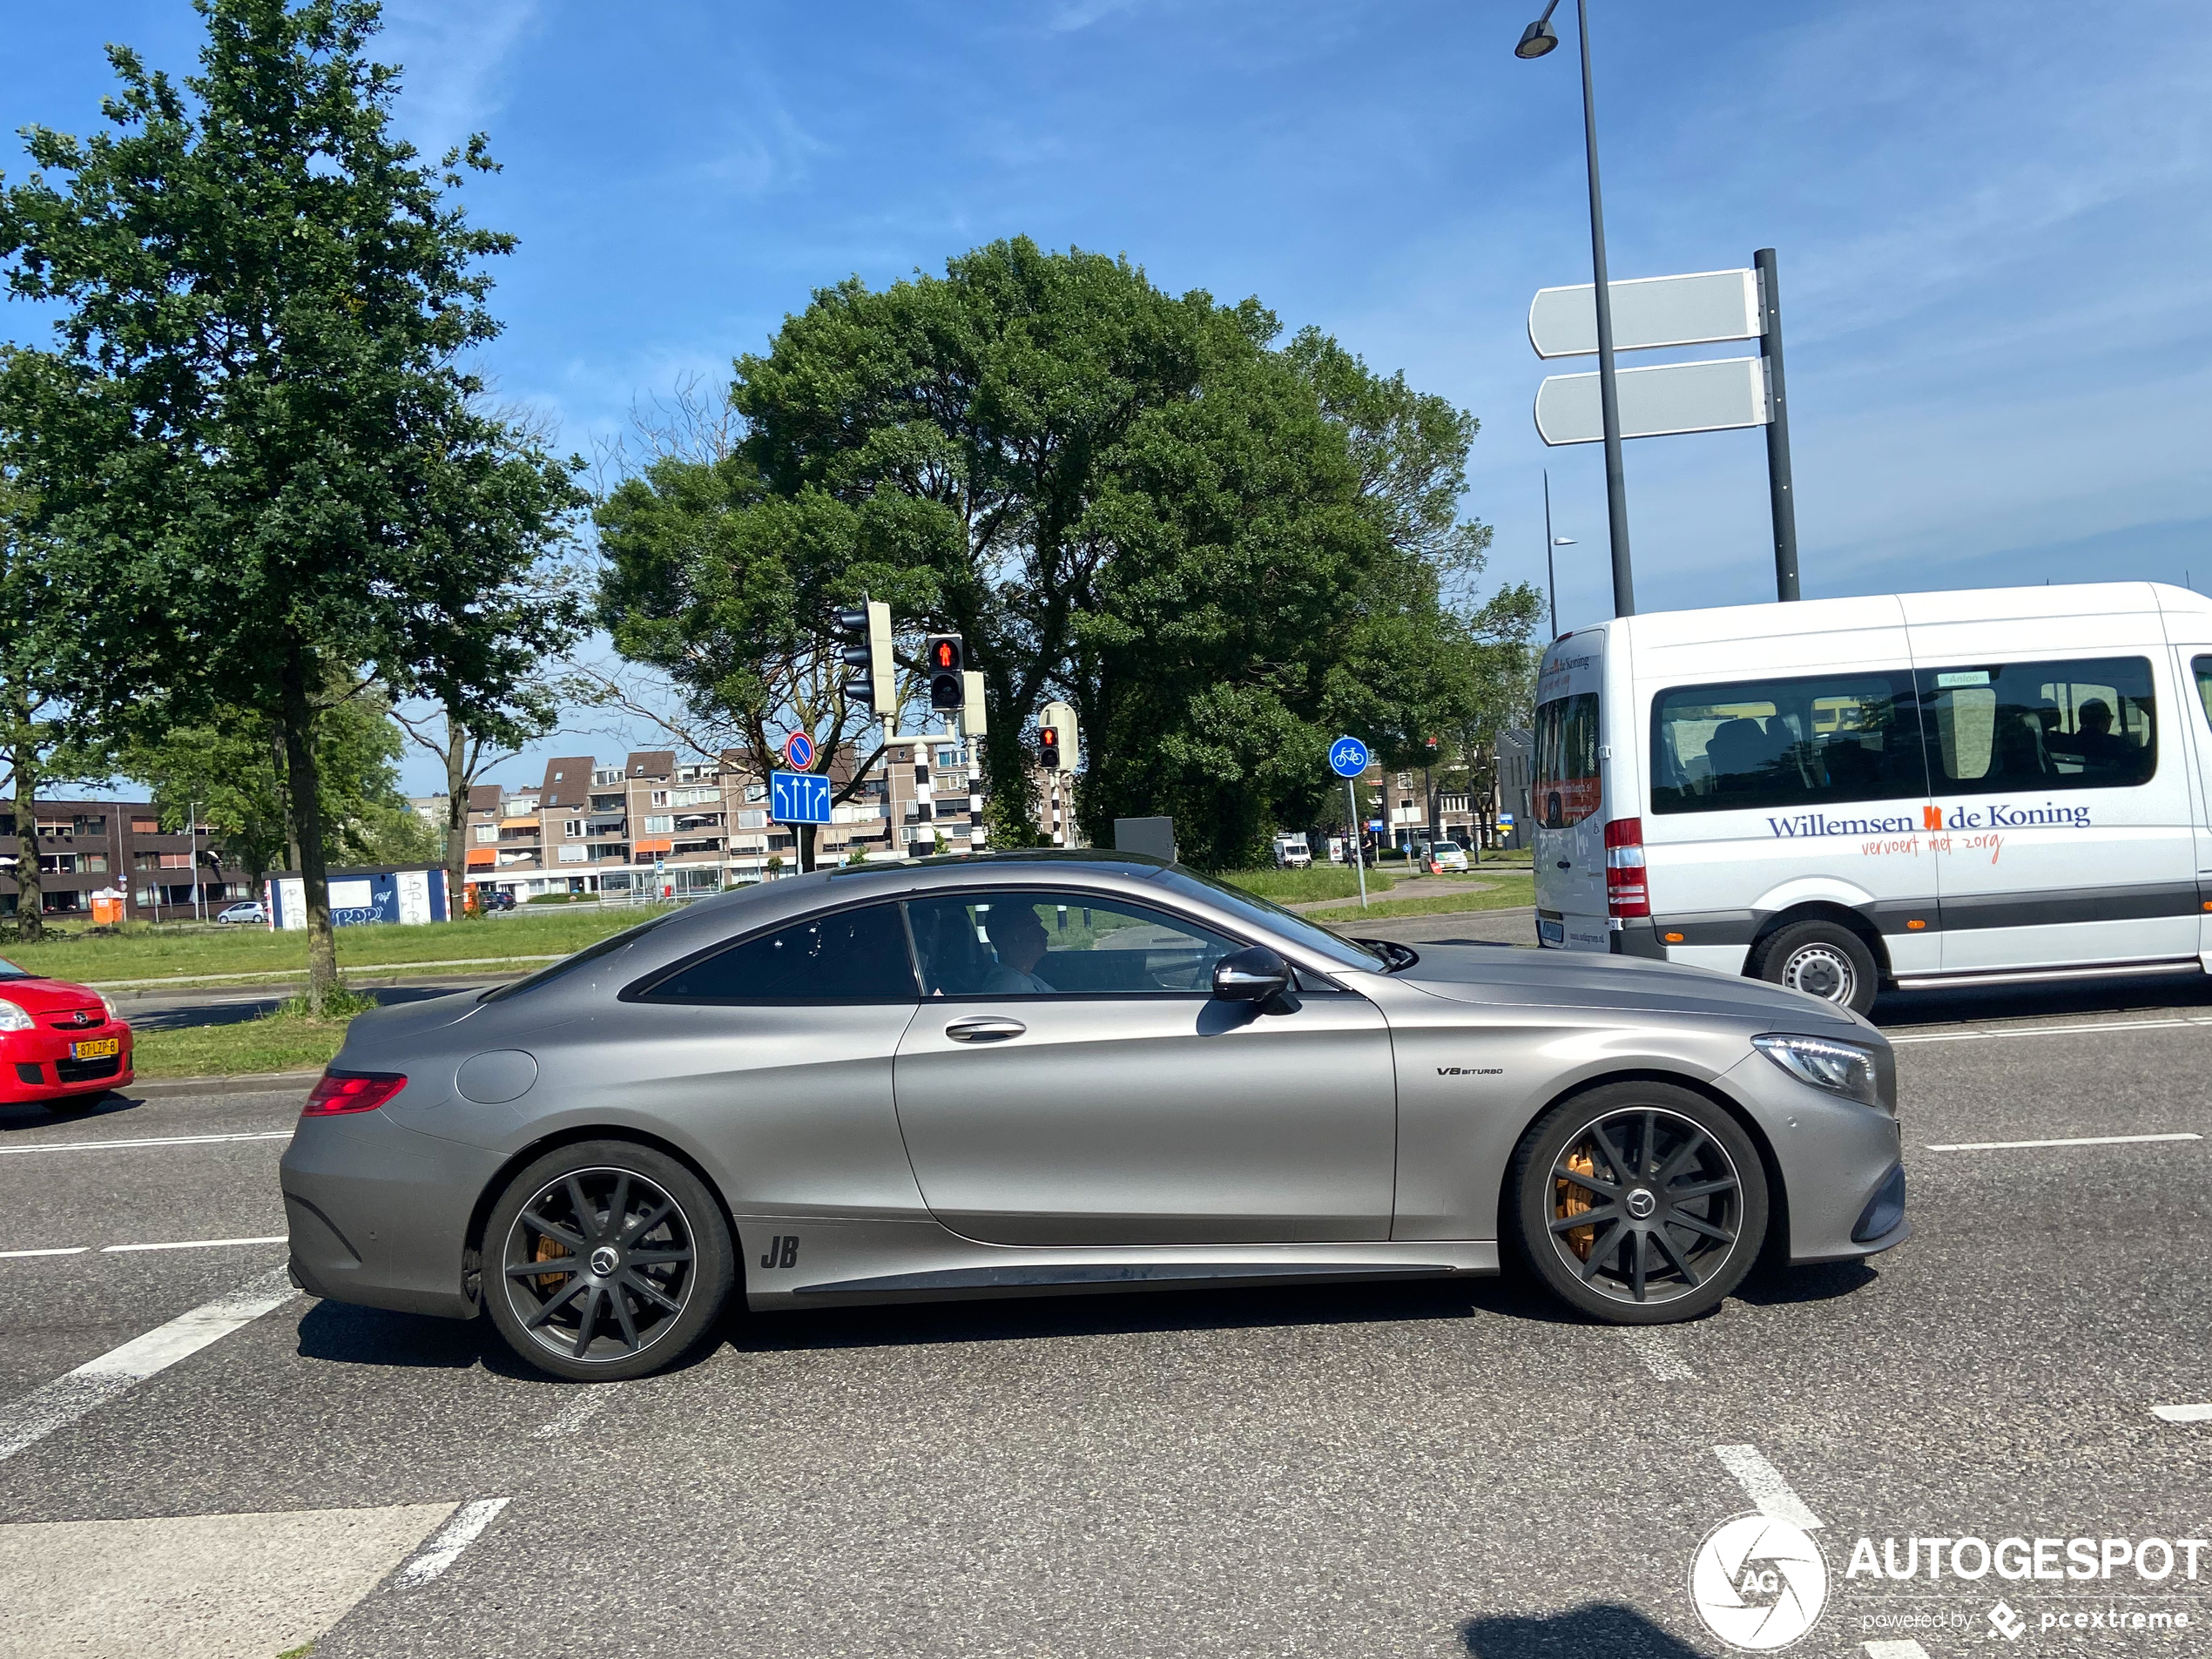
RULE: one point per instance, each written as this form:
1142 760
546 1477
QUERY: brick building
88 846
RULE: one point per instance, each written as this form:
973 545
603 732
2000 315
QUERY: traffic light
943 655
1056 738
876 684
1430 747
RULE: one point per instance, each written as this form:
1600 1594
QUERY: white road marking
1763 1485
64 1250
1907 1649
468 1523
2078 1140
39 1414
165 1140
2183 1413
1658 1355
190 1243
573 1416
2046 1030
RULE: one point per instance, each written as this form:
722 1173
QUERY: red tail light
352 1091
1626 893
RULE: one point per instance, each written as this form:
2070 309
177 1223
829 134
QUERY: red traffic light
944 654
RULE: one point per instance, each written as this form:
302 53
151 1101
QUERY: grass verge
278 1042
1511 891
178 950
1300 887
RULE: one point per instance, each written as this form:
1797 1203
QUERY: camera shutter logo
1758 1583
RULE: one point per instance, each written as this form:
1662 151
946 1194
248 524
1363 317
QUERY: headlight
108 1003
1840 1068
12 1018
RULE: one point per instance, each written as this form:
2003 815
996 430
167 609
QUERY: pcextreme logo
1758 1583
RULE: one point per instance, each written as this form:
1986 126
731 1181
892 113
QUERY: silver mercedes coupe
1030 1073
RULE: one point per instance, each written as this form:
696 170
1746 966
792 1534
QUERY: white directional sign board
1655 402
1695 310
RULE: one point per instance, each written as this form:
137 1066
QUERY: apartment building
88 846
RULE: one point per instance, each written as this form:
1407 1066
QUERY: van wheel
1821 959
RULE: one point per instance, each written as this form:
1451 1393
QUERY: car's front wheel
1639 1203
606 1260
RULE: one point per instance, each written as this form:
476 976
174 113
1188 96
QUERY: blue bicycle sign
1347 757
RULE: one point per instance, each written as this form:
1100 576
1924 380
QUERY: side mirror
1256 974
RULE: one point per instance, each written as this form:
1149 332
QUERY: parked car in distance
61 1045
490 898
244 911
1292 854
1444 857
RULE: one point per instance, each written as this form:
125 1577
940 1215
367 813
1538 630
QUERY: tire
1686 1250
636 1297
1821 958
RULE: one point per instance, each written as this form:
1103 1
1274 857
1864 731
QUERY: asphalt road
1406 1469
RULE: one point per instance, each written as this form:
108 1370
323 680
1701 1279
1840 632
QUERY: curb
261 1082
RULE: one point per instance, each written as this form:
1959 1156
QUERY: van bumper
1637 937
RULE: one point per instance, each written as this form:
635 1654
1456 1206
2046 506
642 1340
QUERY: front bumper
1837 1159
41 1064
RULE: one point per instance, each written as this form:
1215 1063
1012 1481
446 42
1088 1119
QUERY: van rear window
1566 789
1813 740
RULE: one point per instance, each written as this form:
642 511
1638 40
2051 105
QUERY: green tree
231 772
268 292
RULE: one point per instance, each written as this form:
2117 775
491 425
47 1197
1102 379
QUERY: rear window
846 957
1809 740
1567 788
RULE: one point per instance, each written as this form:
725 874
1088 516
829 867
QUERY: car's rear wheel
606 1260
1821 958
1639 1203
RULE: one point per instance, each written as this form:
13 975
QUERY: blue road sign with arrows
799 798
1347 757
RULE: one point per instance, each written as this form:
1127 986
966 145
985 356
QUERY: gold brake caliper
1572 1200
549 1251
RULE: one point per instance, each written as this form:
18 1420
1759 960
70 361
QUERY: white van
1987 787
1291 851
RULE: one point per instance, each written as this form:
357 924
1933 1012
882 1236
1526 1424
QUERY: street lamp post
1551 575
1535 41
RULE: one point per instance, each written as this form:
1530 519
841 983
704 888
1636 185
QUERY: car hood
36 995
1575 979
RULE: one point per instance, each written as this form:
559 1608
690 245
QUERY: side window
1567 788
1815 740
846 957
2008 726
2202 666
1045 944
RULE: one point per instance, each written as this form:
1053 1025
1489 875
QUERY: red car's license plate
98 1048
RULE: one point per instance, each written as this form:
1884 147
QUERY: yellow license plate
98 1049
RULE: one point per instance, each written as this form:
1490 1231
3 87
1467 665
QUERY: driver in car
1018 938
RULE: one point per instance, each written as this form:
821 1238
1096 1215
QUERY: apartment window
487 833
573 827
143 827
953 783
949 756
556 777
571 856
697 796
95 860
756 791
176 860
753 821
663 825
660 798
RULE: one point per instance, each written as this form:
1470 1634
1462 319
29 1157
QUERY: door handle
984 1030
1564 865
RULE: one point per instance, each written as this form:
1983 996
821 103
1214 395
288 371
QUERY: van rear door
1566 797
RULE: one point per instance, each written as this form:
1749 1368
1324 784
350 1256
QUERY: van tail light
352 1091
1626 893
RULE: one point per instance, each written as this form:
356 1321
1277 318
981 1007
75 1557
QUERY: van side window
2202 668
1817 741
2022 726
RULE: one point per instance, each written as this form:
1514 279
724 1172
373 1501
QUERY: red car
60 1045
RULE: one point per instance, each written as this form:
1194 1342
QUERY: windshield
8 970
1265 914
590 953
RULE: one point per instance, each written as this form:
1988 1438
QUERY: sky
1992 223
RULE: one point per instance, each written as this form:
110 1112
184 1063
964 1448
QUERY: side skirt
838 1262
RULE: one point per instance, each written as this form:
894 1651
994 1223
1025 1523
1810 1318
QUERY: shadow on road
33 1115
1901 1010
1600 1630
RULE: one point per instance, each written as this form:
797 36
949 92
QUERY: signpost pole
1359 834
1777 429
1616 488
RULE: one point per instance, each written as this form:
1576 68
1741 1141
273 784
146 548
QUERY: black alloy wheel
1639 1203
606 1260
